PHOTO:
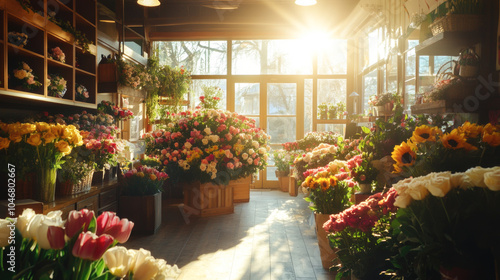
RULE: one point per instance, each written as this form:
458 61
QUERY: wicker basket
68 188
464 23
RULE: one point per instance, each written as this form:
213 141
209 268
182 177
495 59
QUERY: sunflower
324 183
454 140
333 180
310 182
423 134
492 139
403 155
470 130
489 128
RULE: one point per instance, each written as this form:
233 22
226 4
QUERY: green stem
445 211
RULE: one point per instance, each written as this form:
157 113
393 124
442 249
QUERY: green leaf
365 129
93 225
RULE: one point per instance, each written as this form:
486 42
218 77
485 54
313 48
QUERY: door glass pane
281 99
337 128
203 87
369 88
281 129
247 98
331 90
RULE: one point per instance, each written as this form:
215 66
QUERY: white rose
401 187
250 161
255 144
402 200
492 179
204 141
417 188
262 151
207 131
476 175
4 232
187 145
251 152
214 138
460 180
244 156
439 183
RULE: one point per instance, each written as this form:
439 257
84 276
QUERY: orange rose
34 139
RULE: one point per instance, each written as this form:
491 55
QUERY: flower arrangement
361 169
143 180
446 221
118 113
430 149
25 77
57 85
330 188
81 247
82 93
131 74
18 38
75 169
209 146
336 110
57 54
382 99
360 234
174 83
282 161
318 157
468 57
210 98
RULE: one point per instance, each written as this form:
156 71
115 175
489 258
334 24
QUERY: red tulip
78 220
55 235
89 246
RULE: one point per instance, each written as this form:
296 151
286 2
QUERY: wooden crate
283 183
293 188
204 200
241 189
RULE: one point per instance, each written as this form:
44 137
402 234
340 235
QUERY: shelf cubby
36 40
37 65
66 3
89 82
85 61
87 10
67 48
67 74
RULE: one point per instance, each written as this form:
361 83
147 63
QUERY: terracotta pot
144 211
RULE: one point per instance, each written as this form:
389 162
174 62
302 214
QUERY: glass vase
46 191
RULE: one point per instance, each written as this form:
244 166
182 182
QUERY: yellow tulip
49 137
4 143
34 139
63 147
42 126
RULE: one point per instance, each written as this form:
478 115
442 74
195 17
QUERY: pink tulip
55 235
109 223
77 220
89 246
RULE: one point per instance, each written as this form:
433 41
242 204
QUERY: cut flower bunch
25 77
81 247
209 146
143 180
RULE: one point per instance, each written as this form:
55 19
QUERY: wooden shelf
448 43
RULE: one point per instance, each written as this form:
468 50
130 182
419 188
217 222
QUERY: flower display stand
326 252
241 189
293 189
205 200
284 184
144 211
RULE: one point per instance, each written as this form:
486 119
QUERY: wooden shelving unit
448 43
43 35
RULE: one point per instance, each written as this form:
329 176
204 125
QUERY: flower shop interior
250 139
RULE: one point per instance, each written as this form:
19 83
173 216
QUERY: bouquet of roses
118 113
81 92
143 180
25 77
318 157
57 85
57 54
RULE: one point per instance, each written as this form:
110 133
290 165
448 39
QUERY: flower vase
46 191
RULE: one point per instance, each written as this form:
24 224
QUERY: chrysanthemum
470 130
424 133
403 155
454 140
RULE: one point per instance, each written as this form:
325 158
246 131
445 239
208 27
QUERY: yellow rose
63 147
14 128
34 139
57 129
76 139
49 137
42 126
140 174
152 177
27 128
15 137
4 143
20 74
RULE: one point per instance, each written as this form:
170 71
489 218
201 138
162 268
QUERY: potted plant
140 200
75 175
332 111
469 63
282 163
211 98
341 110
460 15
323 111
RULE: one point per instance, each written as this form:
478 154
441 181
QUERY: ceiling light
305 2
149 3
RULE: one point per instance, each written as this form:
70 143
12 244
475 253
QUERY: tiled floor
270 237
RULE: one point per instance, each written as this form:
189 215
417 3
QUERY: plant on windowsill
323 111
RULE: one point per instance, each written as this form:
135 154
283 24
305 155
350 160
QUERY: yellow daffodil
34 139
454 140
404 155
4 143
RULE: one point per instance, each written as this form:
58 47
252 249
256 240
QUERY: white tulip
146 270
4 232
118 260
24 220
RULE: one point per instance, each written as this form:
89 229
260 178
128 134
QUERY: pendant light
305 2
149 3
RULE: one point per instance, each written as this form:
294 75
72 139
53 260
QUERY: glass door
273 103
